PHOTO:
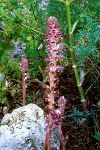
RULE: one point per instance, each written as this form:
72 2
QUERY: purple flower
59 57
53 45
24 65
53 34
19 49
59 68
62 102
60 47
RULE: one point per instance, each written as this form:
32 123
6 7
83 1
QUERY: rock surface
23 129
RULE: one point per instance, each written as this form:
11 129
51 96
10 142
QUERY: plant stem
24 89
72 54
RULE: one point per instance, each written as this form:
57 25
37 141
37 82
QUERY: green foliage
97 135
79 116
87 32
22 21
98 104
3 47
10 66
3 98
29 99
87 41
8 69
57 9
26 21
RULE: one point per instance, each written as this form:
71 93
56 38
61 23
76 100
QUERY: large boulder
23 129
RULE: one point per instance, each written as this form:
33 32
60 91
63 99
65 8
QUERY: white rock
23 129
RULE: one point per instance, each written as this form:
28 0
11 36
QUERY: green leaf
98 104
61 1
97 135
79 116
74 26
71 1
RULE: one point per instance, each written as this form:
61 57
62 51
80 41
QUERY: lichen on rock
23 129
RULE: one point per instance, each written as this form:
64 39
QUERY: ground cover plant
24 48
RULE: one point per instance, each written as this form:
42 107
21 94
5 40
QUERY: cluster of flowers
19 53
43 5
54 48
19 49
24 67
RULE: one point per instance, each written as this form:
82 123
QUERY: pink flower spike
24 64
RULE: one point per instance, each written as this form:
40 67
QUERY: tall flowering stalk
54 47
24 69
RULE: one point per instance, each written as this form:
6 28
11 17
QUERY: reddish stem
47 141
24 89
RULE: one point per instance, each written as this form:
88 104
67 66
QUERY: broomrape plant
24 69
54 115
